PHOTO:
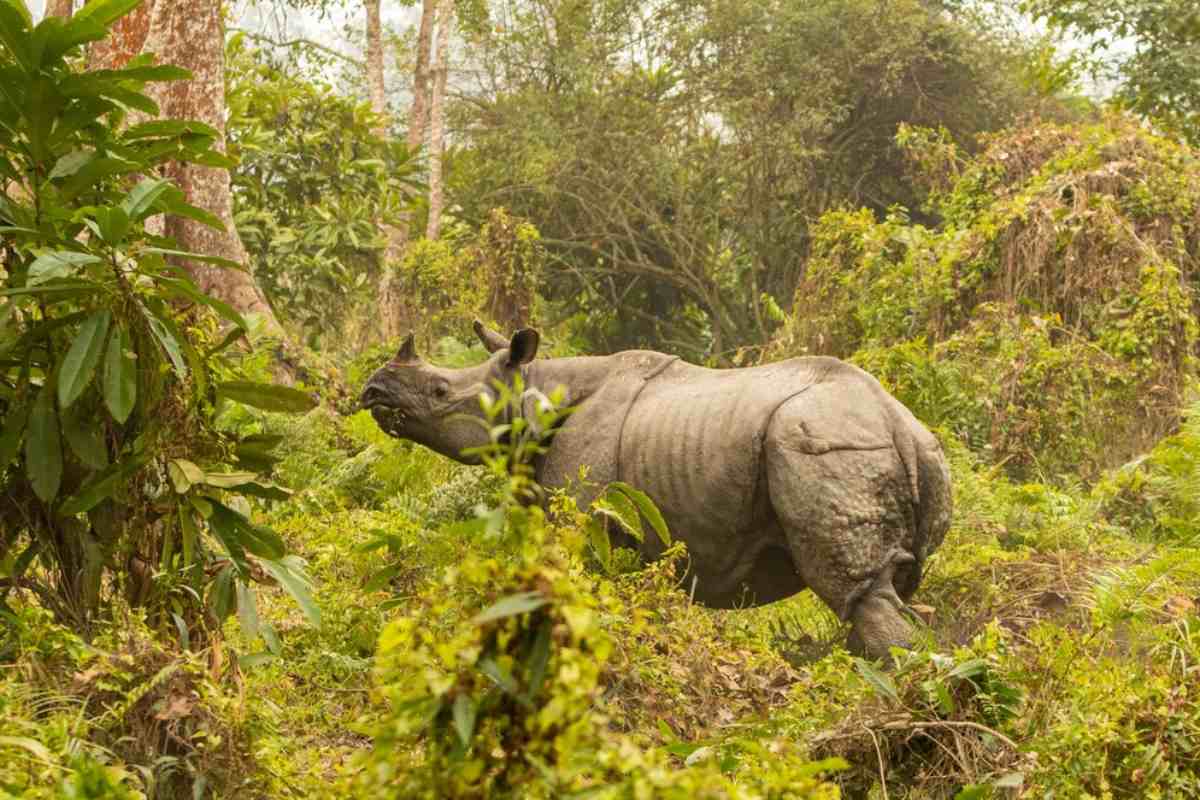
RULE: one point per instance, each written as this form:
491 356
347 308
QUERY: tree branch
301 42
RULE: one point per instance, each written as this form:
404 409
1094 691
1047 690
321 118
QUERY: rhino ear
407 353
492 341
523 347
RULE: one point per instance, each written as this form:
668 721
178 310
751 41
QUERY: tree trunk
391 300
437 119
190 34
375 85
125 40
60 8
392 306
417 117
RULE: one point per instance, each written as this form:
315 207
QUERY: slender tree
437 118
391 300
391 296
418 114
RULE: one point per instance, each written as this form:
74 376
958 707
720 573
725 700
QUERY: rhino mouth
390 418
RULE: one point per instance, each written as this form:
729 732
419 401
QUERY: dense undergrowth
1060 658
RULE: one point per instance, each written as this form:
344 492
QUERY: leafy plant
110 372
314 184
505 700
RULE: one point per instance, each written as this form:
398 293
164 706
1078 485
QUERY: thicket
120 493
1050 320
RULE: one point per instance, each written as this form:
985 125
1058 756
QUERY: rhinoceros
803 473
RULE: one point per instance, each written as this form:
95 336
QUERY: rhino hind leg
878 620
848 518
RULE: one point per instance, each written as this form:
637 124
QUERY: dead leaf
177 707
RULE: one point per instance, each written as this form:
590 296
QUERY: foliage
493 676
1149 47
1158 495
109 367
1050 320
313 185
492 273
127 699
674 196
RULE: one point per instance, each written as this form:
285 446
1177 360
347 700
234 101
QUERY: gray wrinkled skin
801 474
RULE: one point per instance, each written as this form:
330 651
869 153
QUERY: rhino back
693 441
591 436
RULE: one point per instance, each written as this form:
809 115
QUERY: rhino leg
848 517
878 621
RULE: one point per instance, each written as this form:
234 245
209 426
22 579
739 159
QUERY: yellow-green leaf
79 365
120 376
43 447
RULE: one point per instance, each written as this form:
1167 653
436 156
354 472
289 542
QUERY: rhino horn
407 353
492 341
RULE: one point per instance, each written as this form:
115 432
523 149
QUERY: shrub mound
1050 320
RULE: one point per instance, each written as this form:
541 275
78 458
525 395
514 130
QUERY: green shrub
1050 320
115 481
1158 495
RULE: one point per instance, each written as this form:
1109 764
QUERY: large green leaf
513 604
14 32
290 574
221 594
168 341
266 491
59 264
113 223
141 198
879 681
175 202
103 486
247 607
616 505
120 376
43 447
143 73
647 508
187 525
79 365
267 396
187 256
71 163
169 127
184 474
61 37
254 451
85 434
601 545
187 289
465 712
233 528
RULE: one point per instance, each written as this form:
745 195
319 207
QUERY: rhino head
439 407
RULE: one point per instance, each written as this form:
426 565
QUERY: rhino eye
440 390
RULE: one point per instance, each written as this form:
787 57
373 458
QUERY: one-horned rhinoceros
801 473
